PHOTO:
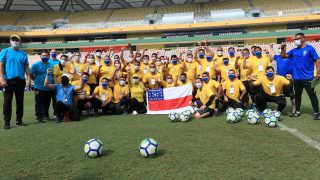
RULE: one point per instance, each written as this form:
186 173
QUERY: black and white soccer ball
93 148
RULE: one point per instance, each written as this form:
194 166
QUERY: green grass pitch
200 149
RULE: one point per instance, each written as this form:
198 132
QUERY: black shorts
288 91
206 110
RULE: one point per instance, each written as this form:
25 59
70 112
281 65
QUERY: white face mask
198 85
169 81
136 81
152 69
15 44
297 42
145 61
91 61
98 54
138 58
76 58
122 82
63 62
130 59
164 61
117 65
219 53
189 59
136 67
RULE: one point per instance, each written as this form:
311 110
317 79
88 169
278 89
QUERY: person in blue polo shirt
14 66
55 61
303 58
284 67
42 93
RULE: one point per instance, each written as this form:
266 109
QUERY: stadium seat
130 14
9 18
88 16
40 18
179 9
221 5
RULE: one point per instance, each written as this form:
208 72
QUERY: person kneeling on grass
64 95
121 98
204 100
102 97
272 85
231 89
137 92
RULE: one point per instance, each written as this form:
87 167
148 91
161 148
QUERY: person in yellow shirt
59 69
137 96
159 67
232 55
212 84
168 83
83 95
204 100
106 70
152 80
233 91
218 58
76 67
183 80
102 97
92 71
222 70
144 66
207 66
121 98
272 86
136 71
191 67
175 68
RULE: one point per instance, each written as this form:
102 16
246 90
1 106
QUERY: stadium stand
179 9
221 5
282 5
40 18
9 18
88 16
130 14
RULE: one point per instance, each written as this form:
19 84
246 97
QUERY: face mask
183 80
138 58
130 59
209 58
15 44
164 61
64 81
158 63
245 55
63 62
201 56
91 61
98 54
136 67
189 59
225 62
104 84
152 70
169 81
84 80
198 85
174 61
297 42
219 53
117 65
231 76
44 59
145 61
136 81
231 53
122 82
107 62
53 55
269 74
76 58
205 79
258 53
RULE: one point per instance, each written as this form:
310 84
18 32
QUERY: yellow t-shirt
258 66
218 61
93 72
191 70
139 73
144 68
179 83
137 91
77 69
204 95
213 85
175 70
244 73
153 80
119 91
224 71
58 72
103 94
165 84
106 71
85 89
274 87
207 66
233 88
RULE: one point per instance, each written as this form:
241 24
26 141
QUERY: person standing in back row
304 58
14 66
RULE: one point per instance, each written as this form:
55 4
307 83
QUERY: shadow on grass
160 153
107 152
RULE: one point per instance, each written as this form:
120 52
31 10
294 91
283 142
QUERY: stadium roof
80 5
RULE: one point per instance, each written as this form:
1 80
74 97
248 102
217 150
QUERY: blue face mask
258 53
245 55
201 56
231 76
53 55
107 62
231 53
84 80
44 59
205 79
209 58
104 84
183 80
225 62
269 74
174 61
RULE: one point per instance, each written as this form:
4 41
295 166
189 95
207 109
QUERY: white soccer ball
271 121
148 147
276 114
240 112
232 118
249 113
267 113
253 118
93 148
174 117
230 110
185 116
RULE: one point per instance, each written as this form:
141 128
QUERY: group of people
116 84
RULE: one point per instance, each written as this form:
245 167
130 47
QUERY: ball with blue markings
93 148
253 118
148 148
271 121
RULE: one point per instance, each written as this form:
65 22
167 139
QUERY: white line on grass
313 143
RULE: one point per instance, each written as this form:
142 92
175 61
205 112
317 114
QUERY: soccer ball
185 116
232 117
276 114
253 118
249 113
267 113
148 147
270 121
174 117
229 110
93 148
240 111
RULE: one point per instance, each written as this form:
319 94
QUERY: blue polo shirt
64 94
39 71
284 66
303 62
54 62
14 63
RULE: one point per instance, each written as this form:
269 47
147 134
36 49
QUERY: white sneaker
134 113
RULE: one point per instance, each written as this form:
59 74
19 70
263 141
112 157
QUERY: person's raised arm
46 81
236 64
283 51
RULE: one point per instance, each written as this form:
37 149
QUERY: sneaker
20 123
134 113
6 126
316 116
295 114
